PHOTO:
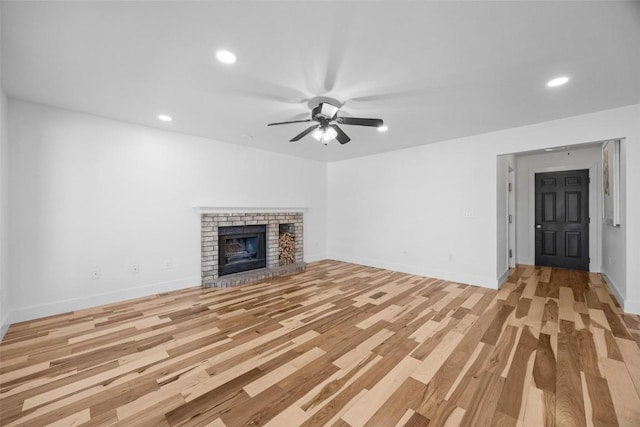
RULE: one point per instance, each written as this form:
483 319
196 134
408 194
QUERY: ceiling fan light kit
326 128
324 135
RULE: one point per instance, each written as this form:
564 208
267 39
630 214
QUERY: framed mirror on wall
611 182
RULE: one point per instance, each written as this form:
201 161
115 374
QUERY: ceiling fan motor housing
325 110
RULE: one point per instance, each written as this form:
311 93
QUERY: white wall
4 216
614 243
404 209
630 152
527 166
90 193
4 207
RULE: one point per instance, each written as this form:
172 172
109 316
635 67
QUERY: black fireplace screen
241 248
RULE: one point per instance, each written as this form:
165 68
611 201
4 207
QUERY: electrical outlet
168 265
467 214
95 274
609 260
135 269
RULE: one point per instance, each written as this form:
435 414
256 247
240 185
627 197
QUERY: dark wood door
562 219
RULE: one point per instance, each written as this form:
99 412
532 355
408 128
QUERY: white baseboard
63 306
631 306
452 276
503 277
628 306
4 325
314 257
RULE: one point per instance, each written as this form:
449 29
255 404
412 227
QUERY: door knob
538 226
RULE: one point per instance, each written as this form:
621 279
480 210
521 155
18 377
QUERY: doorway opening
521 234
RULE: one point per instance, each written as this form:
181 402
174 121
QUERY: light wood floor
338 345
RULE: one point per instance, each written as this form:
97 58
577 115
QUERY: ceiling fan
326 127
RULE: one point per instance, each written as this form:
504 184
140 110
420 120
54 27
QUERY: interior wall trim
62 306
458 277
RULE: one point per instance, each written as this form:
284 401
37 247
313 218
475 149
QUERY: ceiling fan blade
359 122
303 133
340 35
340 135
292 121
252 87
390 96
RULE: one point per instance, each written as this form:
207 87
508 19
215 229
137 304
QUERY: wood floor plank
485 400
536 413
631 357
598 403
544 369
332 388
511 397
360 413
570 410
623 394
339 344
408 395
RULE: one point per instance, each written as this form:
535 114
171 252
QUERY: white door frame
511 210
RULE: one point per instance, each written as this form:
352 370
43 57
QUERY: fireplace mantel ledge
224 209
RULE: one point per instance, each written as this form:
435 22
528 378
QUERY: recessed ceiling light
558 81
226 57
383 128
164 117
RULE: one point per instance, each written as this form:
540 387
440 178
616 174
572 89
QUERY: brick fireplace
283 244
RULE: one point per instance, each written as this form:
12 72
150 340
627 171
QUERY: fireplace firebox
241 248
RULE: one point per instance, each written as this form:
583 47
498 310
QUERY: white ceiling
432 70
